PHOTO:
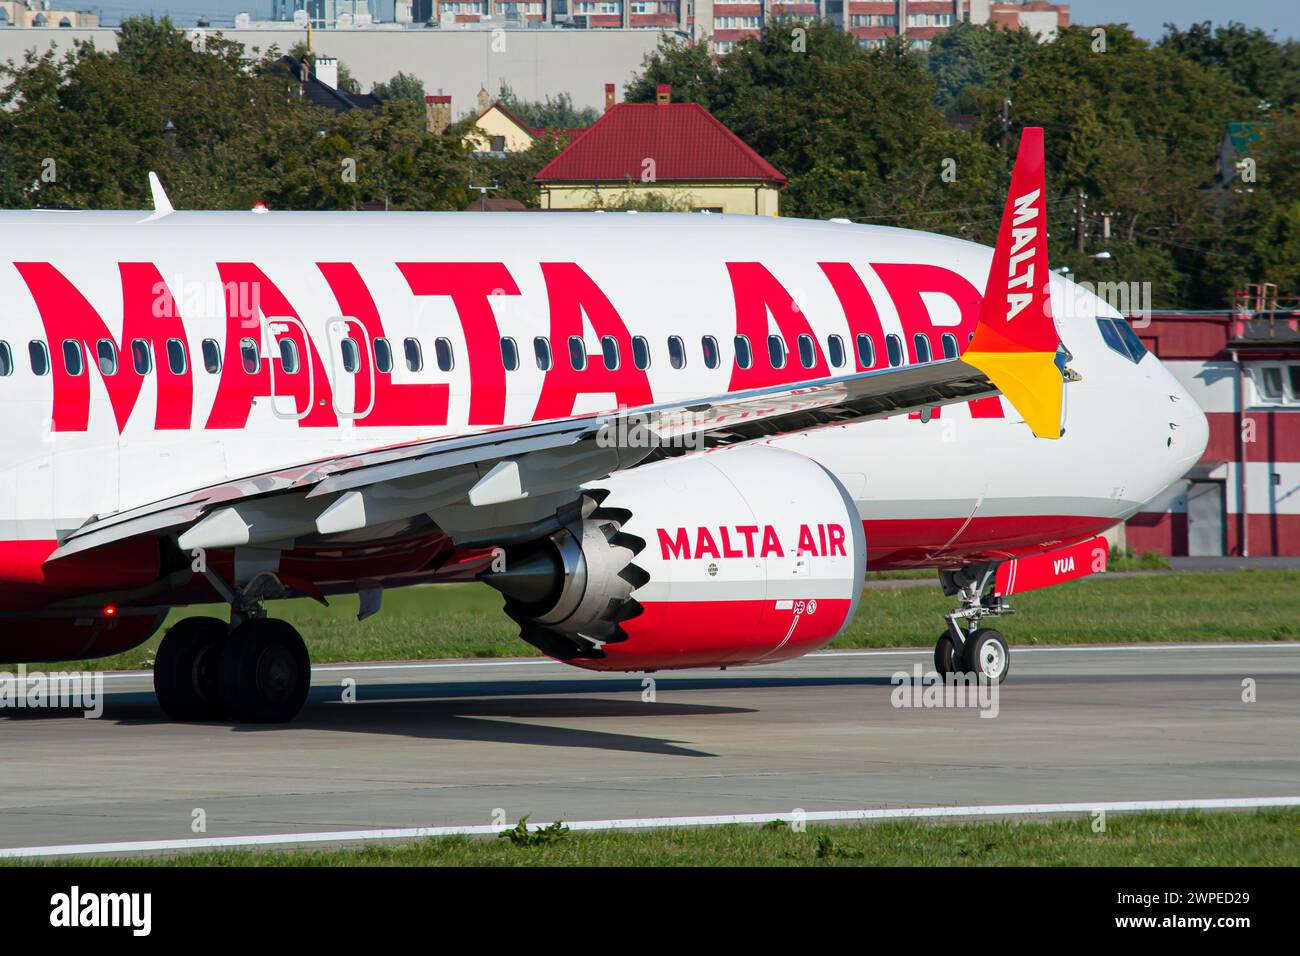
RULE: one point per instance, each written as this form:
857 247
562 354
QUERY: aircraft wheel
185 672
987 655
945 655
265 672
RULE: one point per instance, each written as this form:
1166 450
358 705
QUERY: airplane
668 440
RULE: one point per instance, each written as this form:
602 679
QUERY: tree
557 113
404 87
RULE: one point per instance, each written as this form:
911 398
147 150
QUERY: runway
450 744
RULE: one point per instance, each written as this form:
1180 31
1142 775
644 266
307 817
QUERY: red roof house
674 149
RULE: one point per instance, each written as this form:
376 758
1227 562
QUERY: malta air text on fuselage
304 339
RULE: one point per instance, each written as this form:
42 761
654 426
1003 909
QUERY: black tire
186 672
987 655
945 655
265 672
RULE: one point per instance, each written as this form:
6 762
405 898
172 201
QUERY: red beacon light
110 610
259 208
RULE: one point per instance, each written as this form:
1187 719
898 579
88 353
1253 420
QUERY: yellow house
675 155
497 130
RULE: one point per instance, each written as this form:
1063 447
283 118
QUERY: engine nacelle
743 555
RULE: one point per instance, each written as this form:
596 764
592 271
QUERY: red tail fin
1015 342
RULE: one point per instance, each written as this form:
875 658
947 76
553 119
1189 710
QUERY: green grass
1262 838
426 623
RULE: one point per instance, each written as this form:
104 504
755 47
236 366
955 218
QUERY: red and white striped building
1243 498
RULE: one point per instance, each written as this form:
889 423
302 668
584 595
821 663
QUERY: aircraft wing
357 490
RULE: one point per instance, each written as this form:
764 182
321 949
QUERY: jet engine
744 555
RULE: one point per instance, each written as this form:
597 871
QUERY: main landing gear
255 669
981 651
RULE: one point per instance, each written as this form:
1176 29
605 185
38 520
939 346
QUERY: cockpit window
1120 337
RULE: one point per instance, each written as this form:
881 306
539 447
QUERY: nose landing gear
980 651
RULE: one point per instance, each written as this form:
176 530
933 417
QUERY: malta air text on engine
749 541
155 323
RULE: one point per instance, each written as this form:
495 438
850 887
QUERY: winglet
161 204
1015 342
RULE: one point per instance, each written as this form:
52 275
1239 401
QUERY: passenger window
807 351
922 345
248 355
351 355
414 355
640 352
106 356
744 354
577 353
949 345
383 355
442 354
609 350
894 350
711 355
73 357
866 350
141 357
776 351
211 356
6 360
509 354
835 346
39 356
177 360
676 351
542 352
289 356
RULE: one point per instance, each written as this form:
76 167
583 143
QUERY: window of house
1275 383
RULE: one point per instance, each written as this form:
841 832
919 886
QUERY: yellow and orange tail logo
1015 342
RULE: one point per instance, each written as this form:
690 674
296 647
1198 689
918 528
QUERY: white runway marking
899 652
646 823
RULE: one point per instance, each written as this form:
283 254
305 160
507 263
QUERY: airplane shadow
494 711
